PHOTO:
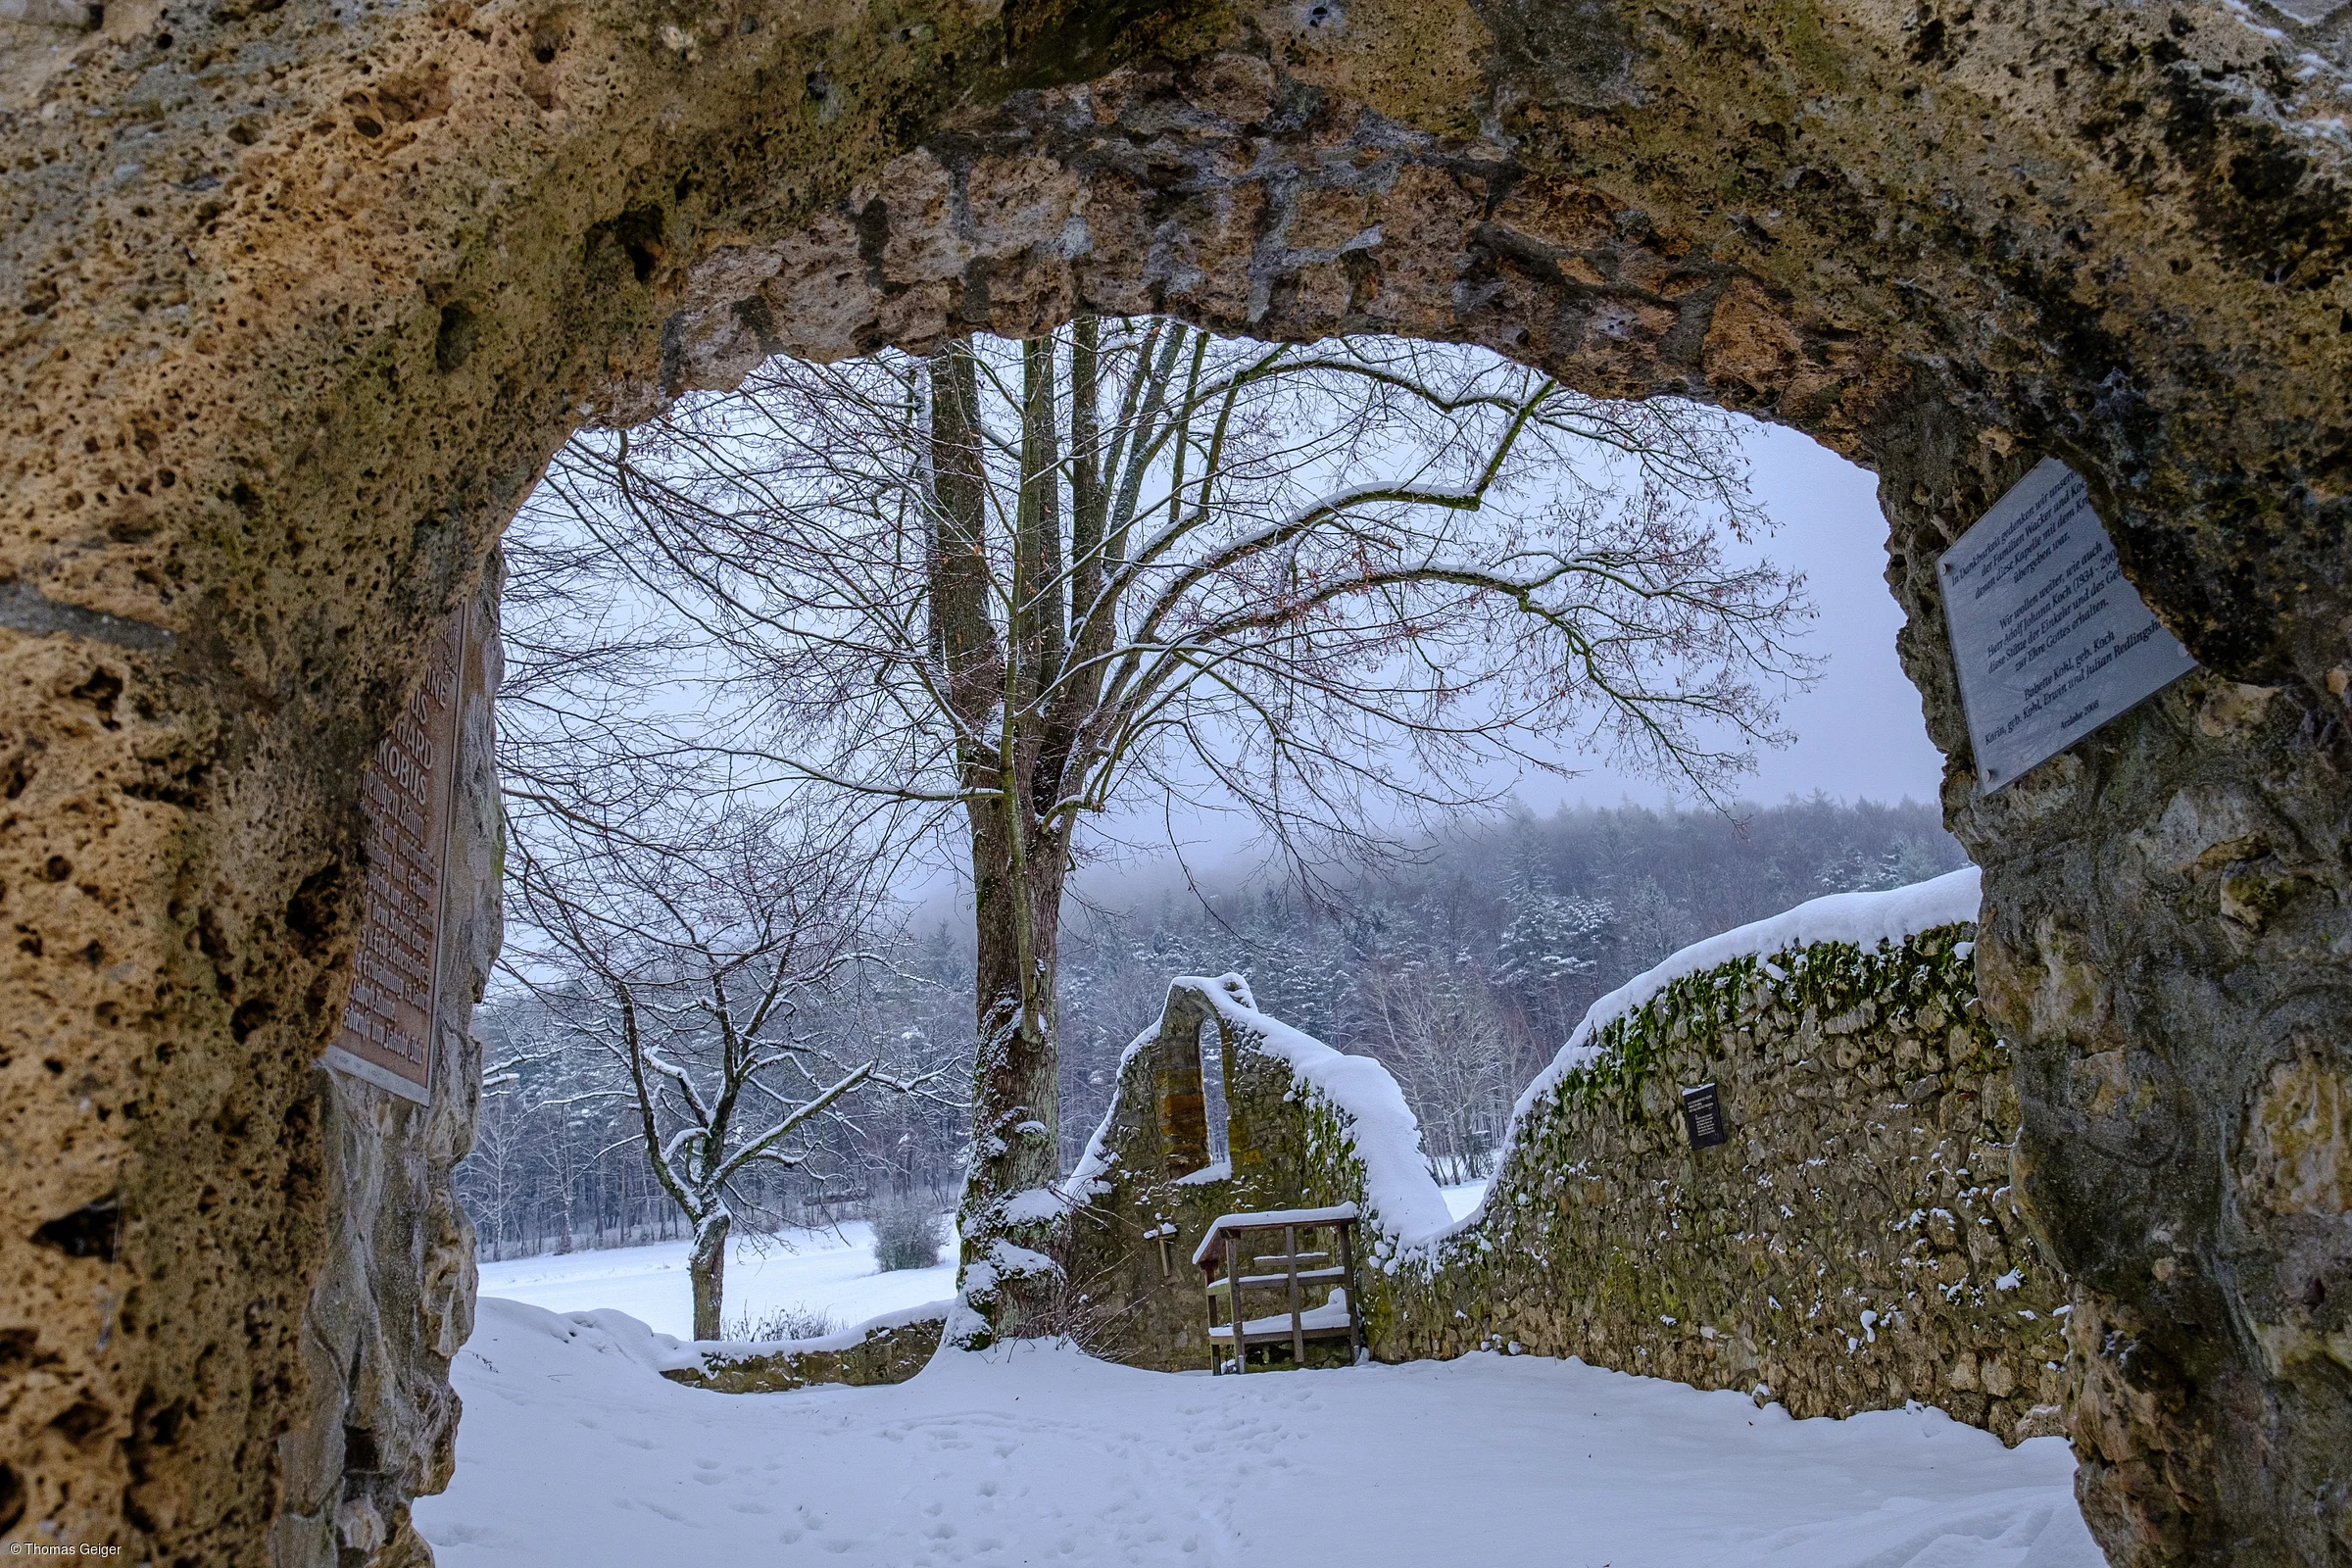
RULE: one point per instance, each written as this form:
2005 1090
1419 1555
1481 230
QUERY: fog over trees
1462 967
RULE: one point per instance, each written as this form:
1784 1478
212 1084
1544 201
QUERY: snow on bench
1335 1318
1332 1314
1270 1220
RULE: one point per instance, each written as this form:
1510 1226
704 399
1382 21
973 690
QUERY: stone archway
302 295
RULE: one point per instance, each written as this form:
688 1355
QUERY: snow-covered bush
906 1234
792 1320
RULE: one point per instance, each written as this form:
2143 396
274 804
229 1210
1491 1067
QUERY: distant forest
1462 966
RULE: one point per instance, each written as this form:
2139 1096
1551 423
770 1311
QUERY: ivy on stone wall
1853 1246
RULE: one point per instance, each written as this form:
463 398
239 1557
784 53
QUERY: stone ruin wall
891 1352
374 1321
1873 1118
394 1303
1146 1179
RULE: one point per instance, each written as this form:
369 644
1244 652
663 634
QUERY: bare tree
691 965
1428 1019
494 1173
1027 583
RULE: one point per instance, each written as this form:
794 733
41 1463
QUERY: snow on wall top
1082 1182
1862 919
663 1353
1400 1194
1403 1198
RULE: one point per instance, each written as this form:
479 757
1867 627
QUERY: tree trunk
1016 1098
1014 743
707 1267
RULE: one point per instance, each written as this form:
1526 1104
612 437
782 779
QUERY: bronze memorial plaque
386 1035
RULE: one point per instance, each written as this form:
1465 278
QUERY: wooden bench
1233 1241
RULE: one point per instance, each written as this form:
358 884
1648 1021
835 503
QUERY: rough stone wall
302 294
363 1277
1147 1180
1853 1244
395 1300
2164 944
1872 1116
888 1354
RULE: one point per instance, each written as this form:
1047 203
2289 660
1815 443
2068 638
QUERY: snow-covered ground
829 1270
573 1453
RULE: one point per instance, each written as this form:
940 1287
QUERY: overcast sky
1859 733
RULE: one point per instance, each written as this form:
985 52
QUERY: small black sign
1702 1114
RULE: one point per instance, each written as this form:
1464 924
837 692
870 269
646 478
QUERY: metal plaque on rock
2051 638
1703 1116
386 1032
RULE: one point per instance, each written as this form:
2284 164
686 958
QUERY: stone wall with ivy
1146 1190
1854 1243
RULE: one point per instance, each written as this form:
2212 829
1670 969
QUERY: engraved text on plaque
386 1032
2052 641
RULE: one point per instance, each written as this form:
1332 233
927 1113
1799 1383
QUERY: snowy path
574 1454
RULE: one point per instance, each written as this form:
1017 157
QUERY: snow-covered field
828 1270
573 1453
